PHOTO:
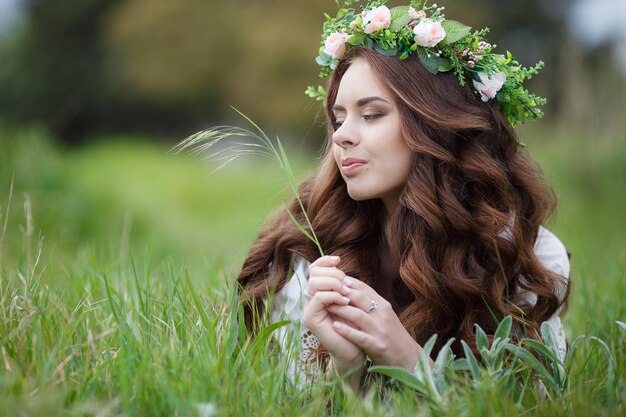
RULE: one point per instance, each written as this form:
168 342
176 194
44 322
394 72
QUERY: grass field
117 262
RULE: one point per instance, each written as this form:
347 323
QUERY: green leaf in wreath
455 31
445 65
383 50
323 60
399 18
356 39
341 13
430 61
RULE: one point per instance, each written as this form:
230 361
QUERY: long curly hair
462 236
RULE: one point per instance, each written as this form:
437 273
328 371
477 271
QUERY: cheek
401 160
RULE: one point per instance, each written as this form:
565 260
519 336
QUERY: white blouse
288 304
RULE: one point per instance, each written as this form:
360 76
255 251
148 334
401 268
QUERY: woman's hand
325 289
371 324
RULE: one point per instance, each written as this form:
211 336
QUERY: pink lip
351 165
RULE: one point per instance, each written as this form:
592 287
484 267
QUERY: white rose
488 88
428 33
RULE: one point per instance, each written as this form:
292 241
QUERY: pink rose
488 88
376 19
335 44
428 33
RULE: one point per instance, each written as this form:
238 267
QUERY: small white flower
416 15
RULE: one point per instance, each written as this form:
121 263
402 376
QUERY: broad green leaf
541 349
533 363
356 39
460 364
443 361
471 361
547 334
429 60
504 328
482 342
399 18
429 345
401 375
445 65
455 31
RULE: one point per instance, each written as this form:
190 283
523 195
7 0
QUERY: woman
432 215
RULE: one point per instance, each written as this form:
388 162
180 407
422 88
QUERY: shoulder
551 252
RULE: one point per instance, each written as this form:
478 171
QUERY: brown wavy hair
462 237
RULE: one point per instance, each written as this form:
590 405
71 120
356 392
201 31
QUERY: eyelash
366 117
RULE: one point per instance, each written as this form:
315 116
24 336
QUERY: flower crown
441 45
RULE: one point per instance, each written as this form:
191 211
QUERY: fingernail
334 258
347 281
346 289
346 299
337 325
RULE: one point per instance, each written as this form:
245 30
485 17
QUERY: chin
359 195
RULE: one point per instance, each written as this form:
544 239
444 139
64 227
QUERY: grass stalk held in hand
205 142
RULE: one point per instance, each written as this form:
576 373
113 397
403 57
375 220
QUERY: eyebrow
361 102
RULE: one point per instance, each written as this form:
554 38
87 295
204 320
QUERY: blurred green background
94 93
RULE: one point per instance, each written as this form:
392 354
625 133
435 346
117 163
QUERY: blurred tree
173 67
207 55
53 73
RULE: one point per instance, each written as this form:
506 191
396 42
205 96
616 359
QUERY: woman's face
368 144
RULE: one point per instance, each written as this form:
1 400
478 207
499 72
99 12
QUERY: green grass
127 308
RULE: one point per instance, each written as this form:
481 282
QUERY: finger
360 338
352 314
362 295
325 261
325 271
363 300
356 284
324 299
325 284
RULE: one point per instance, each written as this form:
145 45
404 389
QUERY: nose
346 136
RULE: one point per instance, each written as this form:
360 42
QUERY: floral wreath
441 45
